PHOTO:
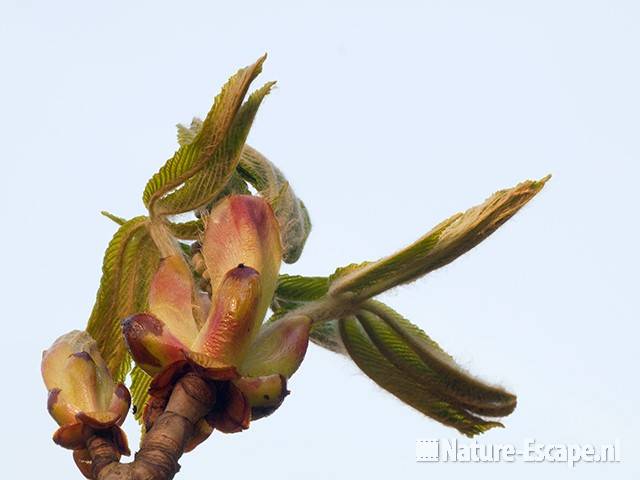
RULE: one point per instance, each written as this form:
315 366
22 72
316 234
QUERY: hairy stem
192 398
161 235
326 308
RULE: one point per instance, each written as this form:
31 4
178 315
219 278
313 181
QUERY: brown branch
192 398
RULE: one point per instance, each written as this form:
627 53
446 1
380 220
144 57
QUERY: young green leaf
409 358
204 185
271 184
139 389
446 242
114 218
291 213
403 360
327 335
187 135
129 263
235 186
296 290
190 230
192 157
409 349
418 394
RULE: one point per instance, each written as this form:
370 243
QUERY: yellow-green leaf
190 230
410 350
193 156
114 218
139 389
187 135
204 185
128 265
295 290
271 184
419 395
400 357
446 242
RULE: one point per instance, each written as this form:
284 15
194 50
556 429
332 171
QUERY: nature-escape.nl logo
429 450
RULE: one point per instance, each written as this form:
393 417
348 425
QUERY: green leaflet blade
327 335
235 186
193 229
377 367
187 135
129 263
407 358
410 350
203 186
446 242
114 218
193 156
270 182
140 382
294 290
190 230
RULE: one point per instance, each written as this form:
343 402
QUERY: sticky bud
83 398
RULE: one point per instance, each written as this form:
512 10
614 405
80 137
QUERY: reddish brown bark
191 399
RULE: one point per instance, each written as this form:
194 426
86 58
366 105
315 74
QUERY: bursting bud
249 363
83 398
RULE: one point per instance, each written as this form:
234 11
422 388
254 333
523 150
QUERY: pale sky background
387 119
